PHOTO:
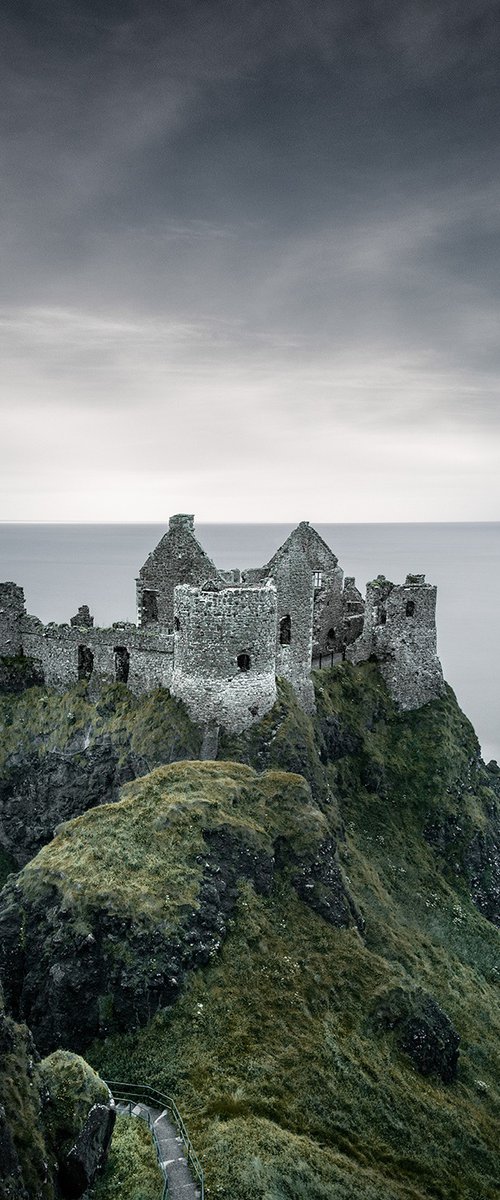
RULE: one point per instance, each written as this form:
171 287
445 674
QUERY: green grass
131 1172
144 854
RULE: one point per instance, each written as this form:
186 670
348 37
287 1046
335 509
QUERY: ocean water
62 566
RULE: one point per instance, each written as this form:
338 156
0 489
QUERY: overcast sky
249 260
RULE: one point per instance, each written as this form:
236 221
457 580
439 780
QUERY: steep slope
333 1029
110 916
63 754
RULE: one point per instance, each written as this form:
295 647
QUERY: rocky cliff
300 943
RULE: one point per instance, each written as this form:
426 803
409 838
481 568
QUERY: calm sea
62 566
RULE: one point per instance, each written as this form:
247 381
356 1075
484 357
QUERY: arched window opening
317 579
285 631
382 616
149 606
122 664
330 639
177 624
410 608
85 662
243 661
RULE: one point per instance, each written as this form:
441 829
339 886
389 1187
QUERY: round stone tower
225 653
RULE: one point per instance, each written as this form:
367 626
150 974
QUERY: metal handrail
134 1093
152 1130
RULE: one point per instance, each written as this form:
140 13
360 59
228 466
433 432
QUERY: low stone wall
141 659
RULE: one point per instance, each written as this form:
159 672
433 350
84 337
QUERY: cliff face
46 1108
309 967
60 755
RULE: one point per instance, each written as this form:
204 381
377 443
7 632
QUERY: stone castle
219 639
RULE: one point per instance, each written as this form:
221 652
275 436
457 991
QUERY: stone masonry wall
399 633
12 612
328 613
213 630
58 649
178 558
293 577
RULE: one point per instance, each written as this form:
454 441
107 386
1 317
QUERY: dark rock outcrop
19 673
318 880
422 1031
40 790
81 1164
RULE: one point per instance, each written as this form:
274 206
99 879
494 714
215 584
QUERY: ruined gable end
178 558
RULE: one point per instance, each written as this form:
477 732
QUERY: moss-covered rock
61 755
228 881
18 673
111 915
132 1171
45 1112
422 1030
285 739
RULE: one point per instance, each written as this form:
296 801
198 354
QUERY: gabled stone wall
218 639
178 558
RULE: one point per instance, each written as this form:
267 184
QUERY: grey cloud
220 220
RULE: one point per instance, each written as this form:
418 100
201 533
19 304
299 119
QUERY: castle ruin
219 639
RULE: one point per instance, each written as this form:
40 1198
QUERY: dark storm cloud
282 214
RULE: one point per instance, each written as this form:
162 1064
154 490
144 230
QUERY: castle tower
12 611
399 632
225 653
178 558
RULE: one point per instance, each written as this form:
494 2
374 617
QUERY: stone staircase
172 1159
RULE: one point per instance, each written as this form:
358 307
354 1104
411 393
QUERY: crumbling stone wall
308 582
218 639
399 633
60 649
178 558
353 611
12 612
225 653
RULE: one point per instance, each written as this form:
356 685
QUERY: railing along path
144 1102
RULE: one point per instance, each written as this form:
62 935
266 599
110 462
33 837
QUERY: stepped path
181 1185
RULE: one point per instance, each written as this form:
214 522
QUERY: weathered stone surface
318 880
19 674
225 664
80 1166
229 621
399 633
178 558
39 791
